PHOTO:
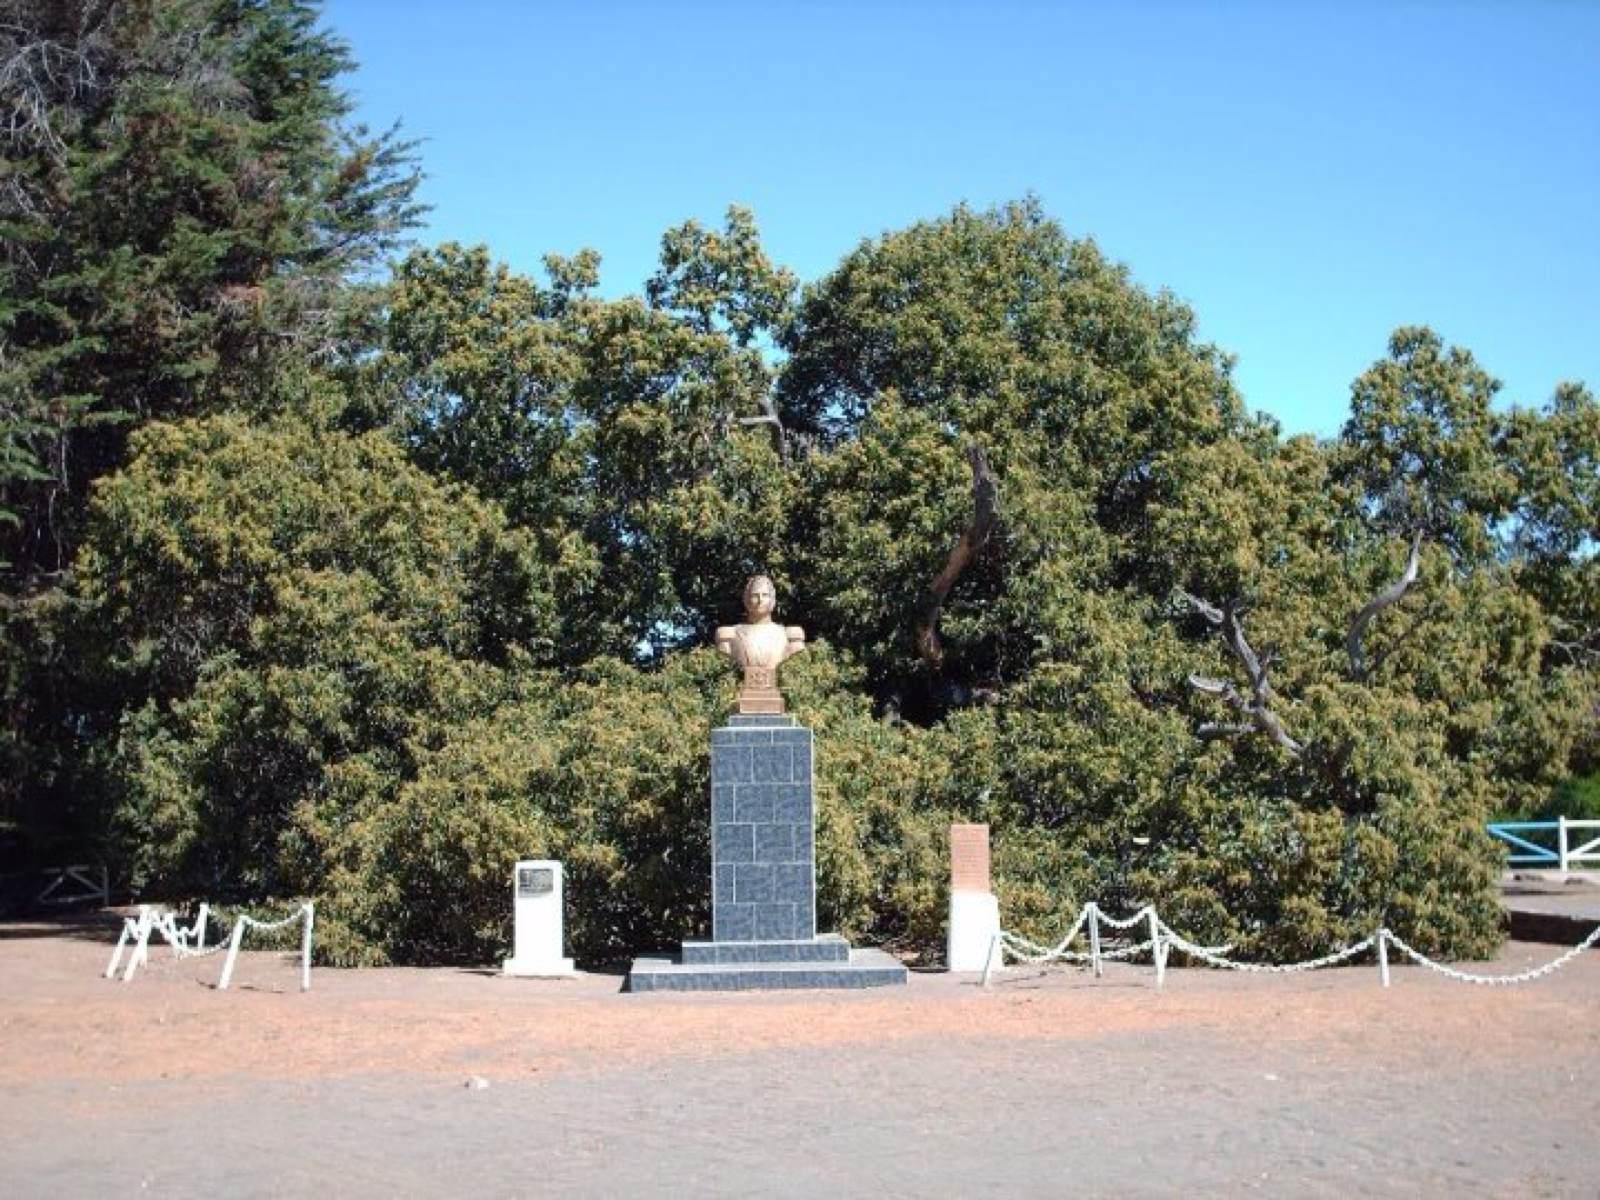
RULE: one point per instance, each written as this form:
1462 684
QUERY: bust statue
758 647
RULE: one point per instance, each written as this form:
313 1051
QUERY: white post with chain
140 946
995 959
1094 939
305 948
128 927
1382 938
1157 950
233 952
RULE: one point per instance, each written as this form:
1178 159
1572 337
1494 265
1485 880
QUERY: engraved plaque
969 858
535 881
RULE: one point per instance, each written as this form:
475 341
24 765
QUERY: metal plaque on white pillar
537 896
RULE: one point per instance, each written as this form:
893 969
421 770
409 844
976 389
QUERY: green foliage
183 221
1062 713
613 429
179 203
287 617
1577 799
1419 444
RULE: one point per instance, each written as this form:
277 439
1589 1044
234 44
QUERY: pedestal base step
829 947
863 969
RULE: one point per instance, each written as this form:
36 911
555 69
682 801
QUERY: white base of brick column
548 968
974 920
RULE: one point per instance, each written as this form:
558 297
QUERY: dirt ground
434 1082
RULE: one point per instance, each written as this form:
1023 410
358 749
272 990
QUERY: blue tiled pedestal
763 877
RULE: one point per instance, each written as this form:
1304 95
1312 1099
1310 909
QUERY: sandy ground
444 1082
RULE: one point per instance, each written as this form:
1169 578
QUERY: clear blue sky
1306 177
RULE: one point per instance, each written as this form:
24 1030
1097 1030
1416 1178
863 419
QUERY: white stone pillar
538 891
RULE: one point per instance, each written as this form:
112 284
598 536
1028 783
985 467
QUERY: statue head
760 598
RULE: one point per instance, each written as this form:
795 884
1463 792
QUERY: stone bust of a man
759 646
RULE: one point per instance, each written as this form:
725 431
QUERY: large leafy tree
636 437
292 615
183 214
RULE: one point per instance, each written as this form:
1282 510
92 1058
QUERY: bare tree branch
1389 595
1213 730
1212 687
1257 705
769 416
986 507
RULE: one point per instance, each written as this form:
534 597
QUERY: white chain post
1561 836
1157 951
200 927
305 948
233 952
1383 954
996 958
140 945
167 923
122 940
1094 940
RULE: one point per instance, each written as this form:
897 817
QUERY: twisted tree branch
1256 707
986 508
1388 596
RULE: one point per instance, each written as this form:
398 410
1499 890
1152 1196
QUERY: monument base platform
860 969
830 947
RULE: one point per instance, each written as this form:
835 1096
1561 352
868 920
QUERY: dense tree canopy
329 588
184 221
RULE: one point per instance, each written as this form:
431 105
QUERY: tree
633 438
451 612
286 619
181 205
998 331
185 219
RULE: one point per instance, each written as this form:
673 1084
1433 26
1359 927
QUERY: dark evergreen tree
182 212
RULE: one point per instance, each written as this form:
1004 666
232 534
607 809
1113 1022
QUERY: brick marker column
974 910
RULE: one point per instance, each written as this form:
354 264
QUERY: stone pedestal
763 876
763 885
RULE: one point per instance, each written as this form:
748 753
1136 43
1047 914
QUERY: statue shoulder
794 633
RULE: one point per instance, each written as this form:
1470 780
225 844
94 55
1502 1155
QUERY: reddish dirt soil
416 1081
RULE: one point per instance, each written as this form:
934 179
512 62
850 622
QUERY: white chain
1023 950
1032 952
1037 953
217 947
1528 976
253 923
1126 923
1228 964
177 936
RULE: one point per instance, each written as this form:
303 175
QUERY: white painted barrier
191 942
137 931
1163 939
306 912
